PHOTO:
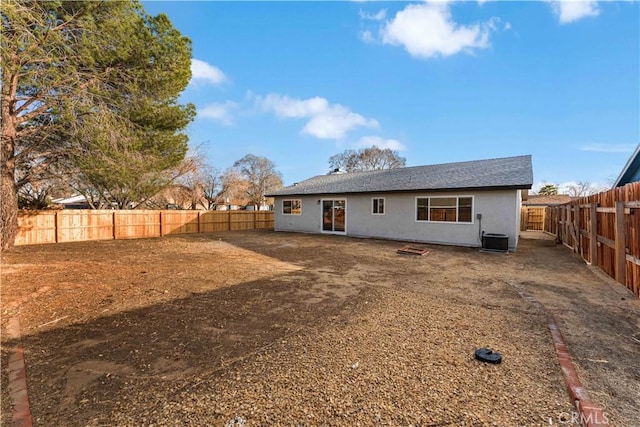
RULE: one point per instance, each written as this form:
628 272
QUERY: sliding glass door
334 216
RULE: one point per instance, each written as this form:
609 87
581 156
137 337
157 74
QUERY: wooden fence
532 218
604 229
35 227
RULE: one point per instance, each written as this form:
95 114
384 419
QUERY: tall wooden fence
604 229
532 218
35 227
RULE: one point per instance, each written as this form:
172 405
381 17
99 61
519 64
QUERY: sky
439 82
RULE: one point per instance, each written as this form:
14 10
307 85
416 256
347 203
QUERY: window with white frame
377 206
444 209
292 207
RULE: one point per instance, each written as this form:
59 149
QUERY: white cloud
609 148
373 17
368 141
367 37
572 10
428 30
202 71
222 113
325 120
286 107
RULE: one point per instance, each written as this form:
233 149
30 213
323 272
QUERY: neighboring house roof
69 200
630 171
546 200
503 173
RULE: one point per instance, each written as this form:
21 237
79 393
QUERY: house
451 203
630 171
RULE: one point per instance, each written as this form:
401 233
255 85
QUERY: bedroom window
377 206
444 209
292 207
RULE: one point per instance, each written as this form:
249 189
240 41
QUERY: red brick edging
17 387
590 414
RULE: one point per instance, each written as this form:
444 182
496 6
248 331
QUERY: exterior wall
518 218
500 214
309 221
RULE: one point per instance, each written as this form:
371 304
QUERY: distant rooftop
69 200
502 173
546 200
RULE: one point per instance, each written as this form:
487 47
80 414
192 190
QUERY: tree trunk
8 190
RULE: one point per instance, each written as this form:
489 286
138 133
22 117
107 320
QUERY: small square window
292 207
378 206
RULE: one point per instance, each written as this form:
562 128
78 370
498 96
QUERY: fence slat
621 259
593 237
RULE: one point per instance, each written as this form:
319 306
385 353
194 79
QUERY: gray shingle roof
503 173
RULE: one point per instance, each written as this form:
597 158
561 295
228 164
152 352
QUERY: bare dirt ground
269 328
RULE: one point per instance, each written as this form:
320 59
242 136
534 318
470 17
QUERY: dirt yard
264 328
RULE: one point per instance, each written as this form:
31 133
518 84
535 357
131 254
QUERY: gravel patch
398 358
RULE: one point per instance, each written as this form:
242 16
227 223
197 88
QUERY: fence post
229 224
161 218
563 223
255 219
57 227
557 210
577 225
116 225
199 223
567 219
620 245
593 237
569 225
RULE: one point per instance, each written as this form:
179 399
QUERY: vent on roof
337 171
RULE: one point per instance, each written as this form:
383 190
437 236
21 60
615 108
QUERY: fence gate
532 218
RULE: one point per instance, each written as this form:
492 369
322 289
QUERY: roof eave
412 190
635 158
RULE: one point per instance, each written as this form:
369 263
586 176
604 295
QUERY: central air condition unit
495 242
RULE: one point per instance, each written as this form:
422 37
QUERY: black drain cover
488 355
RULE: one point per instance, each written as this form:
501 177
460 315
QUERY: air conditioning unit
495 242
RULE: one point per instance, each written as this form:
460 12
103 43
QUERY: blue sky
297 82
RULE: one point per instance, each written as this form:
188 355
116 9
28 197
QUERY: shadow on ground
85 366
